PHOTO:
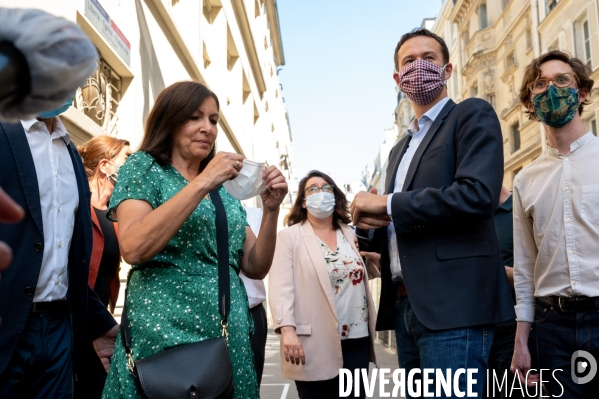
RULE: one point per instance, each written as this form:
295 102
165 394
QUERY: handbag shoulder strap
222 250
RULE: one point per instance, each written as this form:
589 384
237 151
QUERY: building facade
232 46
492 42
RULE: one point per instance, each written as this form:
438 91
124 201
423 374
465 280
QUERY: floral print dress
173 298
346 272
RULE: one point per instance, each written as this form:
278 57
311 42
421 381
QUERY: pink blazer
300 295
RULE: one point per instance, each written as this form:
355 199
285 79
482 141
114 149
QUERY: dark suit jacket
19 179
443 218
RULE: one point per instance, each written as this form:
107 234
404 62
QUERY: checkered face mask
421 81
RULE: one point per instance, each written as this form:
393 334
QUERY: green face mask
557 106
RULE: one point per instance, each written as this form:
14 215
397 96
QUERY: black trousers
259 338
41 365
92 376
356 355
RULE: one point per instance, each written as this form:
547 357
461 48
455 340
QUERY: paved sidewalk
276 387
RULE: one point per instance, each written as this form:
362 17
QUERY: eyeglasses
540 86
325 189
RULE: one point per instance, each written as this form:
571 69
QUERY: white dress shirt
255 288
59 199
417 129
556 226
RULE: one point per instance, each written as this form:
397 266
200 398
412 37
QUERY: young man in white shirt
556 231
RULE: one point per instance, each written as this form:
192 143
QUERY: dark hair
174 106
533 72
420 32
298 213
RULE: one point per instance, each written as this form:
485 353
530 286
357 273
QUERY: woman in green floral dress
168 235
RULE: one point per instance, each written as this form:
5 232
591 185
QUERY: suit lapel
83 215
315 253
425 141
394 161
16 135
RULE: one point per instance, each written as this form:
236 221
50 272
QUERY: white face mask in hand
321 205
248 183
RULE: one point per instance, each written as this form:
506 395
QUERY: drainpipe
536 49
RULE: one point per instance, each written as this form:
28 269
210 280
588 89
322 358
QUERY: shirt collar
33 125
429 115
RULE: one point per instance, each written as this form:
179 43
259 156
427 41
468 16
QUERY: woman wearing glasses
318 292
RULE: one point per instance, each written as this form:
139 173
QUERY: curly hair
533 72
298 213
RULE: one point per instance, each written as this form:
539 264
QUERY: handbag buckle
130 362
225 333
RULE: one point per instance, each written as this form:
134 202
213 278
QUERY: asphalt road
274 386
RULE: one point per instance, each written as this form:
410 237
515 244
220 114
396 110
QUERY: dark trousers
559 336
259 338
500 360
41 365
92 376
356 355
419 347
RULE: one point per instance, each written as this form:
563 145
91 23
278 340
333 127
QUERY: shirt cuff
389 197
525 312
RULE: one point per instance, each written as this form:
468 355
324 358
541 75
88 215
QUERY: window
482 16
466 37
586 38
510 60
593 126
528 39
515 130
474 90
550 5
491 99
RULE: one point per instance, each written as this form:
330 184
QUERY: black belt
577 304
50 307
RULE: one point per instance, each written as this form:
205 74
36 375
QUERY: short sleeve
138 179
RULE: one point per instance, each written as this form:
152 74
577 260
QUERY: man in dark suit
443 281
46 306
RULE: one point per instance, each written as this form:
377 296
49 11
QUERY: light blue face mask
58 111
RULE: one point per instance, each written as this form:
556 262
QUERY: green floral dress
173 298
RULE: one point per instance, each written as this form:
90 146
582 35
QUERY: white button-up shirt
556 226
417 129
59 199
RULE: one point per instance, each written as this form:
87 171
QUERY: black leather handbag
200 370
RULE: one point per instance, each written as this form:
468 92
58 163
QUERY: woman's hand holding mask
223 167
276 188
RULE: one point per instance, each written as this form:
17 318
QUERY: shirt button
568 219
57 281
566 188
566 159
573 282
59 209
570 251
59 244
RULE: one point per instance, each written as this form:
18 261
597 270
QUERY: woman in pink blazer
318 292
